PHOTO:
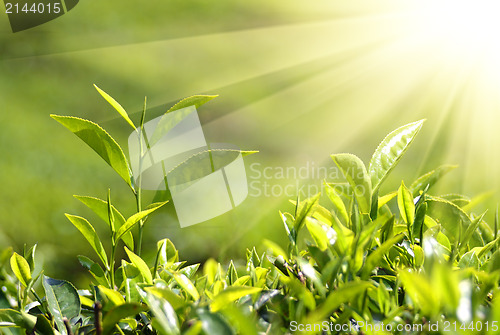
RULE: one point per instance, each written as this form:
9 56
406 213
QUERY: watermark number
39 8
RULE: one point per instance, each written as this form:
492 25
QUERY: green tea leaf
406 205
214 323
62 300
373 260
275 248
305 208
141 265
166 321
195 100
469 260
323 235
470 231
13 318
430 178
355 173
231 294
113 297
165 293
100 141
43 326
383 200
345 293
300 291
187 285
90 235
95 270
100 207
118 313
390 151
337 203
21 268
134 219
451 217
167 253
116 106
421 291
29 255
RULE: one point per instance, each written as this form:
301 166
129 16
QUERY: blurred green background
298 81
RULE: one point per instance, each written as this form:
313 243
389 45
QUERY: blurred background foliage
297 80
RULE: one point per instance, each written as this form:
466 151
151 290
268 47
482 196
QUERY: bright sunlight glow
467 31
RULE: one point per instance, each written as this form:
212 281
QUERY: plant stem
42 307
112 264
141 222
138 197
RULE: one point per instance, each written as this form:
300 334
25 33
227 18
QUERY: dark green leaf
62 300
214 323
117 313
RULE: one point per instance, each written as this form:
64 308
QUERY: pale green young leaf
134 219
375 258
323 235
195 100
390 151
100 207
187 285
167 253
305 208
90 235
275 248
165 293
231 294
299 291
118 313
356 175
406 205
383 200
116 106
451 217
114 297
344 294
21 268
100 141
421 291
430 178
337 202
141 265
165 321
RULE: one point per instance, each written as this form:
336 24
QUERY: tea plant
359 263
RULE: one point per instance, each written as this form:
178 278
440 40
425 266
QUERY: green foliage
405 257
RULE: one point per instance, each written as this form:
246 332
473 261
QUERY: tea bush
360 263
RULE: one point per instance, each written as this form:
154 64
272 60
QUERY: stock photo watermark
26 14
292 181
171 153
